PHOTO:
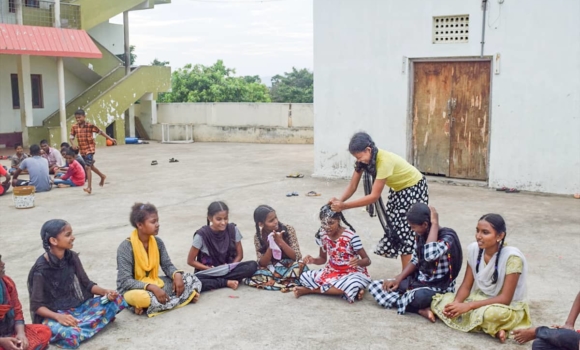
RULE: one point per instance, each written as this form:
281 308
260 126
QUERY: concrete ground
545 228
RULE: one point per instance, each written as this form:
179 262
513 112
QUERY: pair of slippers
309 194
507 190
172 160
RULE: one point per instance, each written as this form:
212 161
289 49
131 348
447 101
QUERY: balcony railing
41 13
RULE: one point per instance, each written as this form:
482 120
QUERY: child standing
84 131
75 174
346 273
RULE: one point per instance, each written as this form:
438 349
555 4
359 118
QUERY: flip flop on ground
313 194
173 160
295 176
154 162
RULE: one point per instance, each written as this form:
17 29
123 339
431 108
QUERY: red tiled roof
46 41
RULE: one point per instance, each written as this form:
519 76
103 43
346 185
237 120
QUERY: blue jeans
64 182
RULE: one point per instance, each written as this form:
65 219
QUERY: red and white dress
337 273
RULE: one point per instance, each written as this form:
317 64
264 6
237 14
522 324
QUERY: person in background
17 158
53 156
75 174
37 168
4 186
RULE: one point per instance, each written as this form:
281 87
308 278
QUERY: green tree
215 83
132 55
156 62
296 86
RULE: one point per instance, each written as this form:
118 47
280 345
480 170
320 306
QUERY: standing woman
407 186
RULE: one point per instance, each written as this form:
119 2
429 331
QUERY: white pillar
131 120
24 85
60 77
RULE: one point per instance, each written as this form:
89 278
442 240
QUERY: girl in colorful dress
14 334
278 253
217 253
345 274
139 258
61 294
407 185
492 296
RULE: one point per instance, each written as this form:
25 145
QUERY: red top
2 173
13 301
76 173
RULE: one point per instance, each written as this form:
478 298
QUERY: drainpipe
60 75
127 46
484 7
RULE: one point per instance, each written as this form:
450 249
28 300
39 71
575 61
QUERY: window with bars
27 3
451 29
36 90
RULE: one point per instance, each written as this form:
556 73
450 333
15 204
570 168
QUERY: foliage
294 87
156 62
132 54
215 83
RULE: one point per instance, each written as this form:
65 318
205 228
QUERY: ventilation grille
451 29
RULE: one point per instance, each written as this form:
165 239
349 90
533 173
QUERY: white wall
236 114
359 47
46 66
110 35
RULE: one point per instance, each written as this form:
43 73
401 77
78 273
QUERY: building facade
95 79
480 90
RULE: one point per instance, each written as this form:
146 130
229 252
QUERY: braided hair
498 224
216 207
260 215
358 143
327 213
51 229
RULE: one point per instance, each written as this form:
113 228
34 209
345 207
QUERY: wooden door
451 118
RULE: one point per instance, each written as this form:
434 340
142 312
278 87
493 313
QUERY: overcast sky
256 38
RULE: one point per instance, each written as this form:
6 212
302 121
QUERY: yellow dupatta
146 263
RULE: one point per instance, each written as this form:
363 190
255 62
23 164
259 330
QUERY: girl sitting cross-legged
217 253
345 274
61 294
139 258
492 296
278 253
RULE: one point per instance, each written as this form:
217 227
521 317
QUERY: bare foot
102 183
300 291
232 284
501 336
524 335
88 190
138 311
360 294
195 298
428 314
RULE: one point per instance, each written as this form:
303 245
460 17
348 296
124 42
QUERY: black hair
17 144
140 212
43 142
216 207
64 144
260 215
49 230
70 152
418 214
35 150
498 224
326 213
80 112
358 143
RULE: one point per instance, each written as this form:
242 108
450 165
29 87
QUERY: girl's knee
138 298
496 314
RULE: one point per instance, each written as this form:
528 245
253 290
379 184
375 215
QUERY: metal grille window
451 29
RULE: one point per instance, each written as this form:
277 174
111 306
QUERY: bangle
391 279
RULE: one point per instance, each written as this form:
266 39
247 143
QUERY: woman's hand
354 262
391 284
111 294
456 309
279 237
67 320
21 337
337 206
307 259
434 215
160 294
10 343
178 286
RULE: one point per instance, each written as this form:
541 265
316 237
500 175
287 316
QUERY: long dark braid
51 229
498 224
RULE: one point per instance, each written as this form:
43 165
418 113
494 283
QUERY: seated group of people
67 166
68 308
